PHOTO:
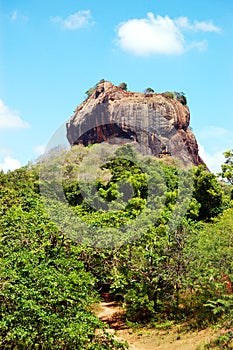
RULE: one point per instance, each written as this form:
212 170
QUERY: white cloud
9 163
10 119
150 36
75 21
217 140
160 35
39 149
213 160
204 26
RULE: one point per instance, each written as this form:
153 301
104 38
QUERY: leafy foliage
208 192
149 90
123 86
180 96
151 274
168 94
222 342
45 292
227 167
90 91
178 266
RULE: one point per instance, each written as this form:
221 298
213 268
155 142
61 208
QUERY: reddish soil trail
152 339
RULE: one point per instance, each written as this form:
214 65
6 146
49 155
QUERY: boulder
157 123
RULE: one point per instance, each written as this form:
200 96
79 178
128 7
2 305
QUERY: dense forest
158 238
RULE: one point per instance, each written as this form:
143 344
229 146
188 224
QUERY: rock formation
156 122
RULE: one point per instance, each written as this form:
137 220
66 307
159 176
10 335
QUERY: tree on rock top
149 90
123 86
180 96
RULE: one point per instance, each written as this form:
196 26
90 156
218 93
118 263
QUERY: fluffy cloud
9 163
151 35
10 119
213 160
159 35
217 140
75 21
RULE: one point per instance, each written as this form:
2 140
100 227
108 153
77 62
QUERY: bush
182 99
45 292
168 94
149 91
180 96
123 86
90 91
138 306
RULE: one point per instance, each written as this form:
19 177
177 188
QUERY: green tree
210 272
208 193
227 167
123 86
90 91
180 96
45 291
170 262
168 94
149 91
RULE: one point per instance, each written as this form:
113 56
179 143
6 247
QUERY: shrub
149 91
182 99
90 91
45 292
168 94
138 306
123 86
180 96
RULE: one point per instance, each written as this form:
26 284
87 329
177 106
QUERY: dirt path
166 340
151 339
107 310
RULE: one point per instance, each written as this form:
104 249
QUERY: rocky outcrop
159 124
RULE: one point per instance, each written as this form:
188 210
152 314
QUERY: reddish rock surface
159 124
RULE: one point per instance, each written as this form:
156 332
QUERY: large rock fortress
156 122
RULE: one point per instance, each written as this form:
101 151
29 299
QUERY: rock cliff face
157 123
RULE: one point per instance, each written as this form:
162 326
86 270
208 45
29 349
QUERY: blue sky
53 51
